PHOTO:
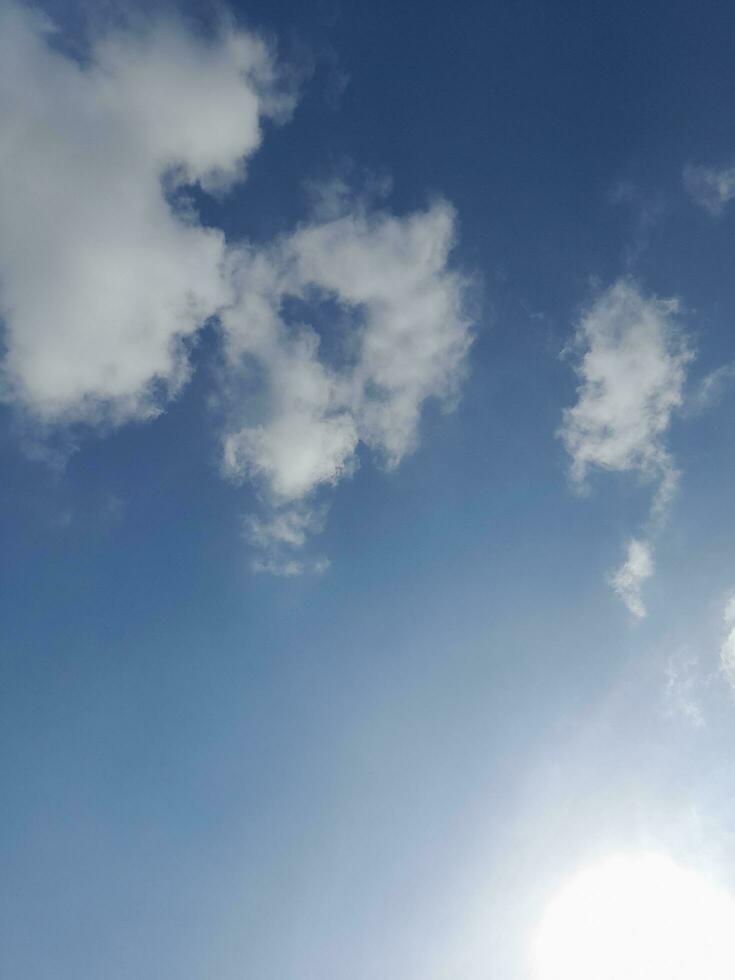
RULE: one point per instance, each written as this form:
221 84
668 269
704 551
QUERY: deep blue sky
209 773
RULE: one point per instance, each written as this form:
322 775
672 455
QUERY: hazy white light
637 918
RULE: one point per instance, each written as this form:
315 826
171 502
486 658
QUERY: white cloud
632 368
632 371
277 538
105 269
307 436
289 527
101 276
628 580
727 649
415 333
711 188
403 337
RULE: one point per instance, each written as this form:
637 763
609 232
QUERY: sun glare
637 918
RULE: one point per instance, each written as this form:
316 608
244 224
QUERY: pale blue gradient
383 772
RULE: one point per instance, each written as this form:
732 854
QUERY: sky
367 581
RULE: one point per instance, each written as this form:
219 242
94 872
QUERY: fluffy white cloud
628 580
414 334
101 276
632 371
632 364
711 188
306 436
402 338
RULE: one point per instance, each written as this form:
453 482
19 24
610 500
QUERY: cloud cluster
400 336
106 270
632 365
103 273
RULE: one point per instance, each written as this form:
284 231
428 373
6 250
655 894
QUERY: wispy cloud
277 539
628 580
682 692
711 389
711 188
727 648
290 567
646 210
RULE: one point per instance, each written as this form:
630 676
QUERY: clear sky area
367 423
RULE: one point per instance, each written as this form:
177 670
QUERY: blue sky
366 428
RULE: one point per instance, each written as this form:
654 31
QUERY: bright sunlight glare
637 918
